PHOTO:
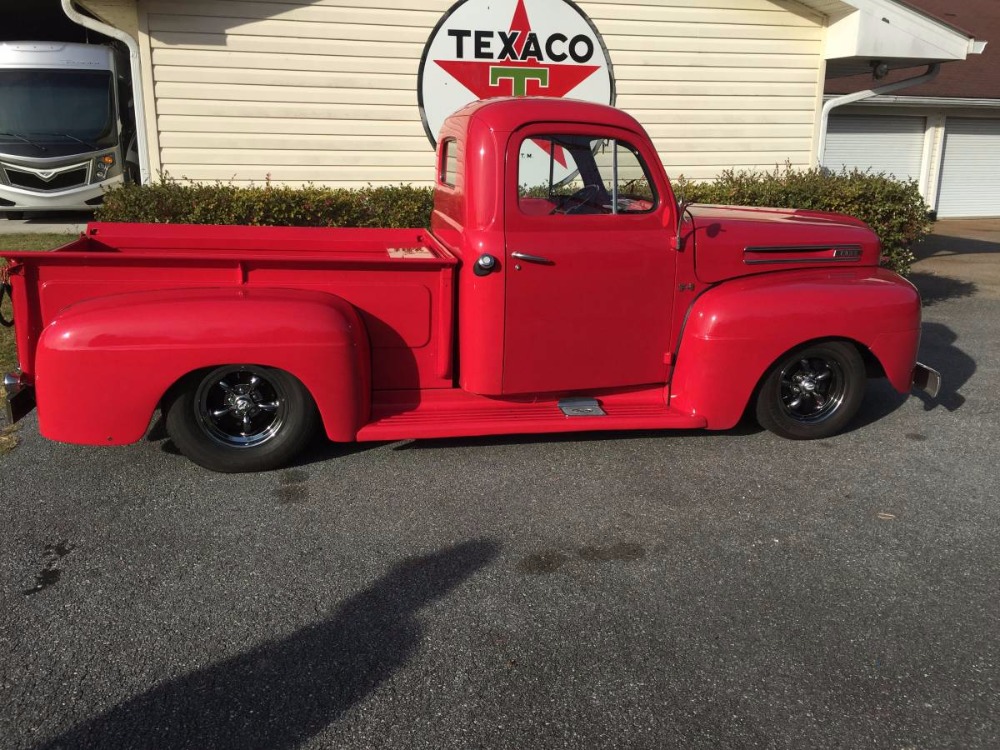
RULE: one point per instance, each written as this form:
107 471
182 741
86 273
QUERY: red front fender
735 331
104 364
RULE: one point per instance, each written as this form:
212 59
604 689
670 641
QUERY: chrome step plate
581 407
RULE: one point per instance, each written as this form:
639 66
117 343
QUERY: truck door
589 269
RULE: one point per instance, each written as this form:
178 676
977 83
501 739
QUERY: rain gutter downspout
840 101
137 100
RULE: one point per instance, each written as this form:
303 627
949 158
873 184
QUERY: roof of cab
509 113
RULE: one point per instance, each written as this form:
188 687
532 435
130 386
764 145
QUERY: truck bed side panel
400 281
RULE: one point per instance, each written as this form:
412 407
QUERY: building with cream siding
245 91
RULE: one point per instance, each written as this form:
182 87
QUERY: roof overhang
861 32
924 102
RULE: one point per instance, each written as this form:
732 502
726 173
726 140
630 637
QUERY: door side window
580 174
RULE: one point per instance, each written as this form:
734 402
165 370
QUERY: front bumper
75 199
926 379
20 398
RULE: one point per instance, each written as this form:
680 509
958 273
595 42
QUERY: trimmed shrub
893 209
175 202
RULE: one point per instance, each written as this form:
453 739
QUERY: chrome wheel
240 417
240 407
812 389
812 392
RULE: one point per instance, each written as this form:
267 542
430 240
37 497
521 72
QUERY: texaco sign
485 48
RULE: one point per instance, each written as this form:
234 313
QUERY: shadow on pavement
943 244
880 400
934 288
745 427
282 693
938 350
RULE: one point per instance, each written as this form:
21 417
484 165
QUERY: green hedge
175 202
892 208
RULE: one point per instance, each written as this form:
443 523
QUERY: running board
401 415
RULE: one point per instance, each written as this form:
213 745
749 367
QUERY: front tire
239 418
813 392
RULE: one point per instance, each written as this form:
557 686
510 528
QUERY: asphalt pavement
55 222
652 590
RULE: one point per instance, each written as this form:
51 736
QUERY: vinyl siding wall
326 91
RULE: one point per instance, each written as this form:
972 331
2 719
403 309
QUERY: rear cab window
448 165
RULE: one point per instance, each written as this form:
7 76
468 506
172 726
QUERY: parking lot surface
70 222
652 590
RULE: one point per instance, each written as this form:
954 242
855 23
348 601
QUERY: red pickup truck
560 288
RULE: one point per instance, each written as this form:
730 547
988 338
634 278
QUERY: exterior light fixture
879 70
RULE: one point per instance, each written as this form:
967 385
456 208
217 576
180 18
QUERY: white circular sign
486 48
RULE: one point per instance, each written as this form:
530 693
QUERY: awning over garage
862 32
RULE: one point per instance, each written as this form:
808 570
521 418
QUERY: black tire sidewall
771 414
191 439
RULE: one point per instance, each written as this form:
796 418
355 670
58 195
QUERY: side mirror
682 208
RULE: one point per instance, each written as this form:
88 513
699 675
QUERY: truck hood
733 241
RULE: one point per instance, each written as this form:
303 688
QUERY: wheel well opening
813 390
240 417
178 385
873 368
197 374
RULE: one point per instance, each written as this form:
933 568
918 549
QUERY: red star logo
516 77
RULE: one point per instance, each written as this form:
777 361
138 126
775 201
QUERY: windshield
57 106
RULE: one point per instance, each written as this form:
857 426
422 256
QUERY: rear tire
240 418
813 392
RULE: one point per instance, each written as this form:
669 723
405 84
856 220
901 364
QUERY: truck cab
561 288
574 206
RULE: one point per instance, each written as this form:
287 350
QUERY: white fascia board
936 102
842 36
886 30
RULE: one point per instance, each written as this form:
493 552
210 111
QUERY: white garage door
890 144
970 174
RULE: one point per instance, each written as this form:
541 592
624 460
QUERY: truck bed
400 280
377 247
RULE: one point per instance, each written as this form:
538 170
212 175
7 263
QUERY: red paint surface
420 346
598 316
100 373
736 330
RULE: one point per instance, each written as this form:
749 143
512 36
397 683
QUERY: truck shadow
943 244
280 694
938 349
934 288
743 429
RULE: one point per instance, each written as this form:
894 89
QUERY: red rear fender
103 365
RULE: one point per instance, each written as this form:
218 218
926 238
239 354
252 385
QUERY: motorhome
65 136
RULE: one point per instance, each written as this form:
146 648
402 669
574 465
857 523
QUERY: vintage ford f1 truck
560 287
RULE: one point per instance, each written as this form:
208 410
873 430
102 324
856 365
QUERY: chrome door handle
532 258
